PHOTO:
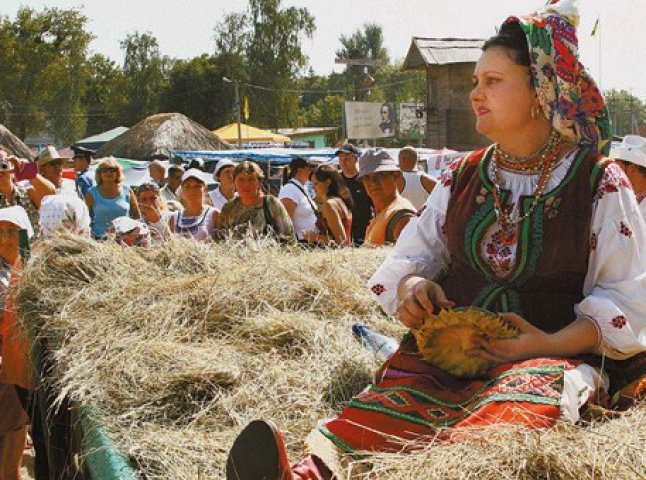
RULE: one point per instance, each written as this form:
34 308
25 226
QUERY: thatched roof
13 143
154 136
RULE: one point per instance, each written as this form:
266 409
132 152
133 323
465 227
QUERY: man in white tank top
414 185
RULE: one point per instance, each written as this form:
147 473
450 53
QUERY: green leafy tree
43 71
105 96
232 34
145 70
626 111
196 88
275 58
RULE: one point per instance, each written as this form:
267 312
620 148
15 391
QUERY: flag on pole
245 108
595 29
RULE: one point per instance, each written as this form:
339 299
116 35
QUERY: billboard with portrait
412 120
369 120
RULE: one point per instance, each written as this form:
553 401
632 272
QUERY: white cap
632 149
194 173
225 162
18 216
123 225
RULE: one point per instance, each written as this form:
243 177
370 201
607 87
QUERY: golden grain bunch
446 338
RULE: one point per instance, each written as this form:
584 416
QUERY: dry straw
177 348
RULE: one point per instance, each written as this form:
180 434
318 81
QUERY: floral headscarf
63 212
568 95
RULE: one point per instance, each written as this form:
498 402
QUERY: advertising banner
412 120
366 120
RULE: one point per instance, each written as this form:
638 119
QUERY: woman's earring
535 112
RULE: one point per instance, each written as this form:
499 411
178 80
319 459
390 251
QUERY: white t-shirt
304 215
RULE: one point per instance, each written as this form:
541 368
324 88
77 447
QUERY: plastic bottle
382 346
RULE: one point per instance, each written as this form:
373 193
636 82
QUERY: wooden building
449 64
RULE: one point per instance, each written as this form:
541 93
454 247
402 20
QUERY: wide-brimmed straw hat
49 154
375 160
632 149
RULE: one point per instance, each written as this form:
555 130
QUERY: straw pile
178 348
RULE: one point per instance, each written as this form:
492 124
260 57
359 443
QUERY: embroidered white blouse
615 285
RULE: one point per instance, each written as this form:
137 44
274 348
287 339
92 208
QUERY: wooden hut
449 64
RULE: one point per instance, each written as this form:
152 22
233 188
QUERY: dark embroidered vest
553 244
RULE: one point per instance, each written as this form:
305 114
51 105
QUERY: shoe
258 453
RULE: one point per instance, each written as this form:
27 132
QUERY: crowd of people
364 199
541 227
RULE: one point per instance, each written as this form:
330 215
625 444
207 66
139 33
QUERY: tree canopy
51 82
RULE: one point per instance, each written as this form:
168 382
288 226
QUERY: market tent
156 135
14 144
249 134
97 141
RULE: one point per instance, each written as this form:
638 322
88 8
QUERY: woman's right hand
417 299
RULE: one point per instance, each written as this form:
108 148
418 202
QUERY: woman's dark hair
290 171
511 37
337 187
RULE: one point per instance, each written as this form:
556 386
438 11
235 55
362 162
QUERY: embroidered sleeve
615 285
420 250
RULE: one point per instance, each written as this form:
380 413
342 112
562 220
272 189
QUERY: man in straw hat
50 166
631 157
379 173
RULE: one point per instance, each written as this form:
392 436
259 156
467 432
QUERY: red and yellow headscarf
568 95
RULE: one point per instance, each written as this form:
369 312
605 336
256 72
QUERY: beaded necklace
531 164
546 165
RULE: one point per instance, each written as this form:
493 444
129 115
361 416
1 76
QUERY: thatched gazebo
14 144
156 135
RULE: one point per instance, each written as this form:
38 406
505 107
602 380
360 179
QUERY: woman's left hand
531 343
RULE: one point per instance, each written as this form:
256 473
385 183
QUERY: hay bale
155 135
177 348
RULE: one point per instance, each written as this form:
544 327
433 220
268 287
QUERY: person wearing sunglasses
110 198
198 219
170 191
154 210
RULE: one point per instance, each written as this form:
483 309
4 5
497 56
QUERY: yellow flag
595 29
245 108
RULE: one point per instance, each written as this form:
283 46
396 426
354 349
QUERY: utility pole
236 85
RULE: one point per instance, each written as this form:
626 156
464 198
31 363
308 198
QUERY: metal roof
442 51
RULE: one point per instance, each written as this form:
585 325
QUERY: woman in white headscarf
63 213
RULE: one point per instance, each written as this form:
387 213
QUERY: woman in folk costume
538 225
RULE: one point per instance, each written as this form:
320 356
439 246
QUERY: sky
616 58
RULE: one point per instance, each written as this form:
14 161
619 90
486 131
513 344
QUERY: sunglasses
144 187
110 170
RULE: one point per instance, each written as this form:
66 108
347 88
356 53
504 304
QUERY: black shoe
258 453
